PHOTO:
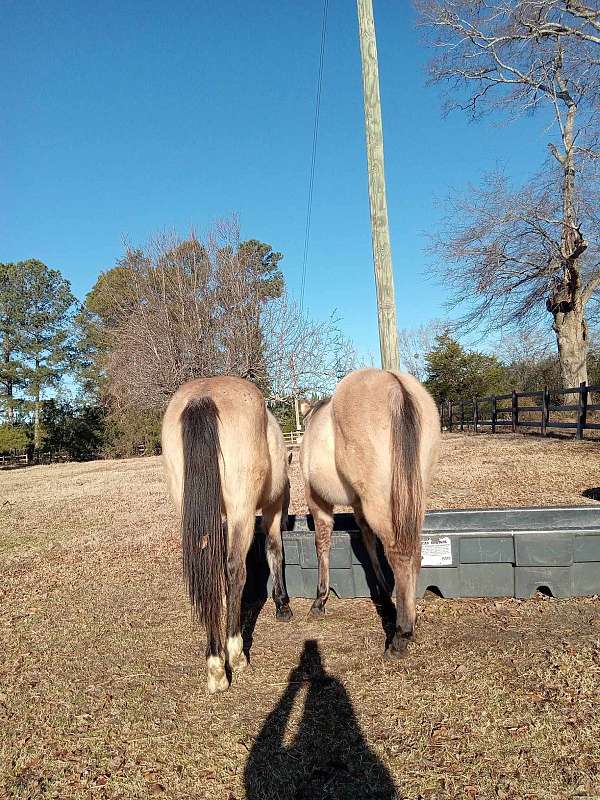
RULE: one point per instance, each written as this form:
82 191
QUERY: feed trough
475 553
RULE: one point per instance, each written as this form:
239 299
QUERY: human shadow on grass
328 757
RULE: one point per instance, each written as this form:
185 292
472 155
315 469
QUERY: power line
311 182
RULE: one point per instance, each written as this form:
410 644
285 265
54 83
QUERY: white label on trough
436 552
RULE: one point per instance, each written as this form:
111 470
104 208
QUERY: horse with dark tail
225 458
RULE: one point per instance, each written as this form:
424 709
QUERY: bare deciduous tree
182 309
303 356
508 250
415 343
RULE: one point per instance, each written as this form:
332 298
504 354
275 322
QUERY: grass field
102 684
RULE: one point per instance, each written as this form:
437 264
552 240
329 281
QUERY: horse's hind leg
216 676
323 516
406 569
241 532
272 518
382 599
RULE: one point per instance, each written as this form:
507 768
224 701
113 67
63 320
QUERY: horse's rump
378 419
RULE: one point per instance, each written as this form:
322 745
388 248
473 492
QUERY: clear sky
122 119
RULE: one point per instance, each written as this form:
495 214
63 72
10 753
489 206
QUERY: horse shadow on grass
328 757
256 594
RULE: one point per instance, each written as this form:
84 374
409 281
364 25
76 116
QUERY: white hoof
216 677
240 663
235 653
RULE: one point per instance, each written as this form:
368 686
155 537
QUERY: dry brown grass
486 471
102 675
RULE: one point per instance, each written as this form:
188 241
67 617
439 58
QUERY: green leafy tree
76 430
129 429
108 302
13 437
284 413
261 263
248 277
454 373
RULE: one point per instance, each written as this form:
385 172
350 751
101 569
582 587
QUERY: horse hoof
283 614
235 653
216 680
239 663
217 683
398 647
316 612
394 654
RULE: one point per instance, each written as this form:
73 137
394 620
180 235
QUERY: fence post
475 413
515 411
545 409
462 415
582 409
450 407
494 413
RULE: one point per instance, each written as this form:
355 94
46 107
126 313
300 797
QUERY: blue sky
123 119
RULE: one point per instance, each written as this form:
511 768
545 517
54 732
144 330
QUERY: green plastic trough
481 553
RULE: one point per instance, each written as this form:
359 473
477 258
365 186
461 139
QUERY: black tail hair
203 535
408 505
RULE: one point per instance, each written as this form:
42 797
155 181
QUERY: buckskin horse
225 458
372 446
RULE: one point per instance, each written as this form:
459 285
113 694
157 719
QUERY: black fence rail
23 458
15 458
525 410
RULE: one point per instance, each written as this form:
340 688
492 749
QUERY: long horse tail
407 501
204 541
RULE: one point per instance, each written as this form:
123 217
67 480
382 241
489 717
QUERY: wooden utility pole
382 251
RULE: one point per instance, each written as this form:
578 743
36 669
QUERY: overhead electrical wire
311 181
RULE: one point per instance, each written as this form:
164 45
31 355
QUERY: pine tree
13 314
45 342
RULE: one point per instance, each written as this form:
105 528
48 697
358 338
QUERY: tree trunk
571 336
9 387
37 430
565 300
